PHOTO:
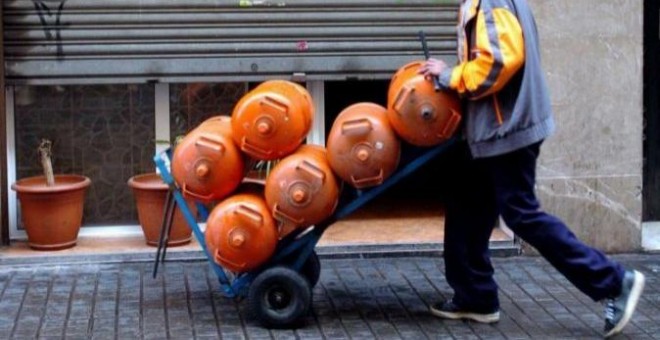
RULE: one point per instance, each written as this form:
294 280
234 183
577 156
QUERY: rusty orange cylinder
294 91
272 120
363 149
240 233
207 165
302 190
418 114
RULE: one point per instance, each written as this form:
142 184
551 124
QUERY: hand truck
279 292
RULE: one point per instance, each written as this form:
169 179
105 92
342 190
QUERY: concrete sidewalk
384 298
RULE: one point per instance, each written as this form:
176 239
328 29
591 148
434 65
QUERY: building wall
590 171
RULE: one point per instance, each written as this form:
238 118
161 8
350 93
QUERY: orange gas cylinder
272 120
418 114
302 190
240 233
288 86
362 147
207 165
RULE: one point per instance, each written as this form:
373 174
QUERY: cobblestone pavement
384 298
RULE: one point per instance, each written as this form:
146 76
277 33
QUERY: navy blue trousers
481 190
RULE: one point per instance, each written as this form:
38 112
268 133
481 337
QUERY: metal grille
120 41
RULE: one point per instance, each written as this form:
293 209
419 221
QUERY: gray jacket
499 73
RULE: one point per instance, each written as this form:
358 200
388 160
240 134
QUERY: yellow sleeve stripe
497 54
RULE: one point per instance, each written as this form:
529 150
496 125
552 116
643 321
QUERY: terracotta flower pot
150 195
52 215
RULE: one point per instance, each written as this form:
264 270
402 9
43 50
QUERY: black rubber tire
280 297
311 269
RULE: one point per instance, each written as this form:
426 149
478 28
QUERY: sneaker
618 310
449 310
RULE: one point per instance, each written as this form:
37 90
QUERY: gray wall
590 172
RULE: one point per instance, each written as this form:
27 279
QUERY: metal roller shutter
126 41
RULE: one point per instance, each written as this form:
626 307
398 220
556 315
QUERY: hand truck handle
427 55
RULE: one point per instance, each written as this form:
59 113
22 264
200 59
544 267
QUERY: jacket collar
472 8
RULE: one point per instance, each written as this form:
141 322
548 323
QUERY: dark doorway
341 94
651 195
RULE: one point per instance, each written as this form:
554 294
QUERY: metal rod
168 204
427 55
168 227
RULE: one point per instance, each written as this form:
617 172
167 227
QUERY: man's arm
498 53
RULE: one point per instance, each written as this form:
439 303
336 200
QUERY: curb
498 249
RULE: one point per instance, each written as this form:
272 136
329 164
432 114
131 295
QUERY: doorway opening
651 192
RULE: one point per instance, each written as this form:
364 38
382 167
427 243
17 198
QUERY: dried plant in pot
51 205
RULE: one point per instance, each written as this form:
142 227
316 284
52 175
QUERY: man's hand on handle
432 67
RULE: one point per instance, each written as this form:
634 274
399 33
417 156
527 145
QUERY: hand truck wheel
280 297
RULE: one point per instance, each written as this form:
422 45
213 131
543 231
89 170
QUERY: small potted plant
51 205
150 194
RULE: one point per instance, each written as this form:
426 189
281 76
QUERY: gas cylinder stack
268 123
271 122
